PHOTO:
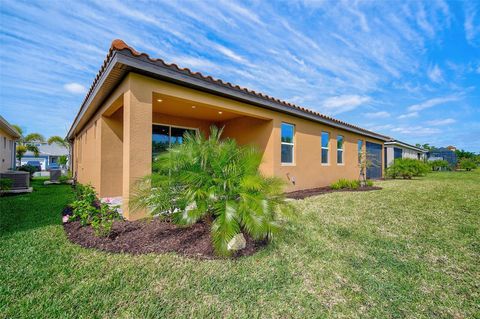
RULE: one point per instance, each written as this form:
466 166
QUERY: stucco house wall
8 138
112 142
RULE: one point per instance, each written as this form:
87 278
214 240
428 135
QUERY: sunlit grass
409 250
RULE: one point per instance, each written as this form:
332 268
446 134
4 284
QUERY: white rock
237 243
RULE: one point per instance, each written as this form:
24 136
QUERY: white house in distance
48 155
8 138
396 149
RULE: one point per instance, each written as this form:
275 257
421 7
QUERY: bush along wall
407 168
90 211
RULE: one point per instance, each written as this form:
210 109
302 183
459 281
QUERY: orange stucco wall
7 150
113 149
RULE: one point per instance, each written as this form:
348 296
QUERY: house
8 138
137 106
47 154
396 149
452 148
443 153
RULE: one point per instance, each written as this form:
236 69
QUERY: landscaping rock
237 243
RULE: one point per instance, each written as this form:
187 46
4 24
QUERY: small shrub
345 183
407 168
438 165
89 211
28 168
467 164
103 221
369 183
6 184
65 178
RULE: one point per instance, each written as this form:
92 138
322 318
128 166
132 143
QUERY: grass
410 250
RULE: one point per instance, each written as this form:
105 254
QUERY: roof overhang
120 62
405 145
9 128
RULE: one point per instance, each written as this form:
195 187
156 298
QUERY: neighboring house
48 154
8 138
138 106
396 149
452 148
443 153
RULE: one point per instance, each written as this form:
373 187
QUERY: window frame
325 148
196 129
341 149
292 163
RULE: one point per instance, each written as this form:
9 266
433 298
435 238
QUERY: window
4 142
288 131
325 146
360 147
164 136
339 149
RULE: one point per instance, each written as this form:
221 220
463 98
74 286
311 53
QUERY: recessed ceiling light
193 106
159 100
220 112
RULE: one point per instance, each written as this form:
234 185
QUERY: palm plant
25 143
217 181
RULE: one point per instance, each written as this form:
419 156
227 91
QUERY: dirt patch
154 236
301 194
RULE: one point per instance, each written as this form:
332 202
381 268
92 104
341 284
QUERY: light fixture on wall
159 100
220 112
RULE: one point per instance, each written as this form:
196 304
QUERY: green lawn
409 250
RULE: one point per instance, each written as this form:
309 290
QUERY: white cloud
380 127
416 130
441 122
433 102
378 115
408 115
435 74
472 27
229 53
75 88
344 103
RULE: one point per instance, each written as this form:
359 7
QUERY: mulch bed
301 194
154 236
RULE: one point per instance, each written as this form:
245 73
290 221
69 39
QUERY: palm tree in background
26 143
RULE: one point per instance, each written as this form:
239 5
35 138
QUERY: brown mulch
154 236
304 193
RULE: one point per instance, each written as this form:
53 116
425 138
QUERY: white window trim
286 143
325 148
341 150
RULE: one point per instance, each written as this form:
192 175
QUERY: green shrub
6 184
437 165
345 183
27 168
216 180
467 164
369 183
65 178
89 211
407 168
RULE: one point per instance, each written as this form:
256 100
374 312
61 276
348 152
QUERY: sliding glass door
164 136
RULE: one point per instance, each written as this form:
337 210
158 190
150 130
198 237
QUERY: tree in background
465 154
26 143
467 164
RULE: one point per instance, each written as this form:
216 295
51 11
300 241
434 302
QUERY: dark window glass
160 139
339 157
287 153
324 156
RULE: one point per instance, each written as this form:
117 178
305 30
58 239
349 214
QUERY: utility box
20 180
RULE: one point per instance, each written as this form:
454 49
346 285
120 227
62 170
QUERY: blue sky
407 69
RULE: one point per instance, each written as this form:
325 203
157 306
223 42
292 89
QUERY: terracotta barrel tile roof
119 45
